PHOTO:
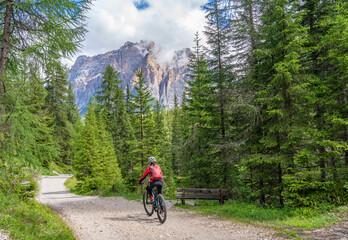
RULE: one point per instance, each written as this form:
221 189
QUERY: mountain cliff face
164 79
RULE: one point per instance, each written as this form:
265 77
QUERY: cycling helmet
152 159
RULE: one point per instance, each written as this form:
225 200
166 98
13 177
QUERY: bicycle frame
155 203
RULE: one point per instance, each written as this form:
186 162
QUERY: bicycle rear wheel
147 205
162 209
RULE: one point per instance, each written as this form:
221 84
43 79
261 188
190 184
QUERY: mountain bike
158 205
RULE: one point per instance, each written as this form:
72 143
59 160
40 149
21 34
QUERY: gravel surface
338 231
3 236
118 218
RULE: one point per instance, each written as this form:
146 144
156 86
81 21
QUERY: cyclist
156 177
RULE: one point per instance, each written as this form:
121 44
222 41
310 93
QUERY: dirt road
118 218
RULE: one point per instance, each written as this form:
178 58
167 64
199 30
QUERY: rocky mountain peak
164 80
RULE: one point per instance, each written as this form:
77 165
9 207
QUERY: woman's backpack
156 172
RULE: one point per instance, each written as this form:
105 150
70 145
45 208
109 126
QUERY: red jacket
147 171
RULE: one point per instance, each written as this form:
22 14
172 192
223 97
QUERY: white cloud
171 24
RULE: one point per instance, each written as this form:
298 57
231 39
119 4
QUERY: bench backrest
202 193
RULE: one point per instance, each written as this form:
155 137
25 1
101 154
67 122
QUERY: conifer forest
265 113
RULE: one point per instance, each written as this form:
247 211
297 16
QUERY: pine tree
129 101
196 162
175 137
95 160
218 40
280 94
86 152
161 149
244 30
72 110
327 35
30 141
107 168
142 112
112 100
56 103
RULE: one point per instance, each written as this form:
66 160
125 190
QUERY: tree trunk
5 43
280 180
252 35
141 137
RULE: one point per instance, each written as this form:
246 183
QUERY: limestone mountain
164 78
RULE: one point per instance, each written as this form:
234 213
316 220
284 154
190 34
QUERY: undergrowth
70 184
21 216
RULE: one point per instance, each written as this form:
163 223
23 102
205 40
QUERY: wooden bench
202 193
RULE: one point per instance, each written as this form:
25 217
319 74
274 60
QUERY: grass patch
54 169
71 182
304 218
27 219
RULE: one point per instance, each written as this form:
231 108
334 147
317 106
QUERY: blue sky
171 24
141 5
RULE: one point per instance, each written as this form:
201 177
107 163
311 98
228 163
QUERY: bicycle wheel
148 206
162 209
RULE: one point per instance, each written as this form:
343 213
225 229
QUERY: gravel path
118 218
3 236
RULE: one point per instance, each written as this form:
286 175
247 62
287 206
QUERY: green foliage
63 112
117 120
95 161
31 220
275 134
38 116
21 181
22 216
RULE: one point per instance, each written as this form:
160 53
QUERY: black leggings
158 184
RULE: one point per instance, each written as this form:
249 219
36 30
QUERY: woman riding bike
156 177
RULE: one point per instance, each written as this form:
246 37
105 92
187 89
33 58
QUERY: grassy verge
29 220
304 218
54 169
70 184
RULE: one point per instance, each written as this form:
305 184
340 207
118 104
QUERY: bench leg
183 201
221 201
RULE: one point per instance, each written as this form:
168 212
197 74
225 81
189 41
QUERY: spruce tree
196 162
245 21
162 149
95 162
112 100
327 23
87 152
142 112
218 40
56 103
30 140
280 96
175 137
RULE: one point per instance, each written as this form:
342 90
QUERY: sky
171 24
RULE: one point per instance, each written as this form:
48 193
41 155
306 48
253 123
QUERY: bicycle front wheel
162 209
147 205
